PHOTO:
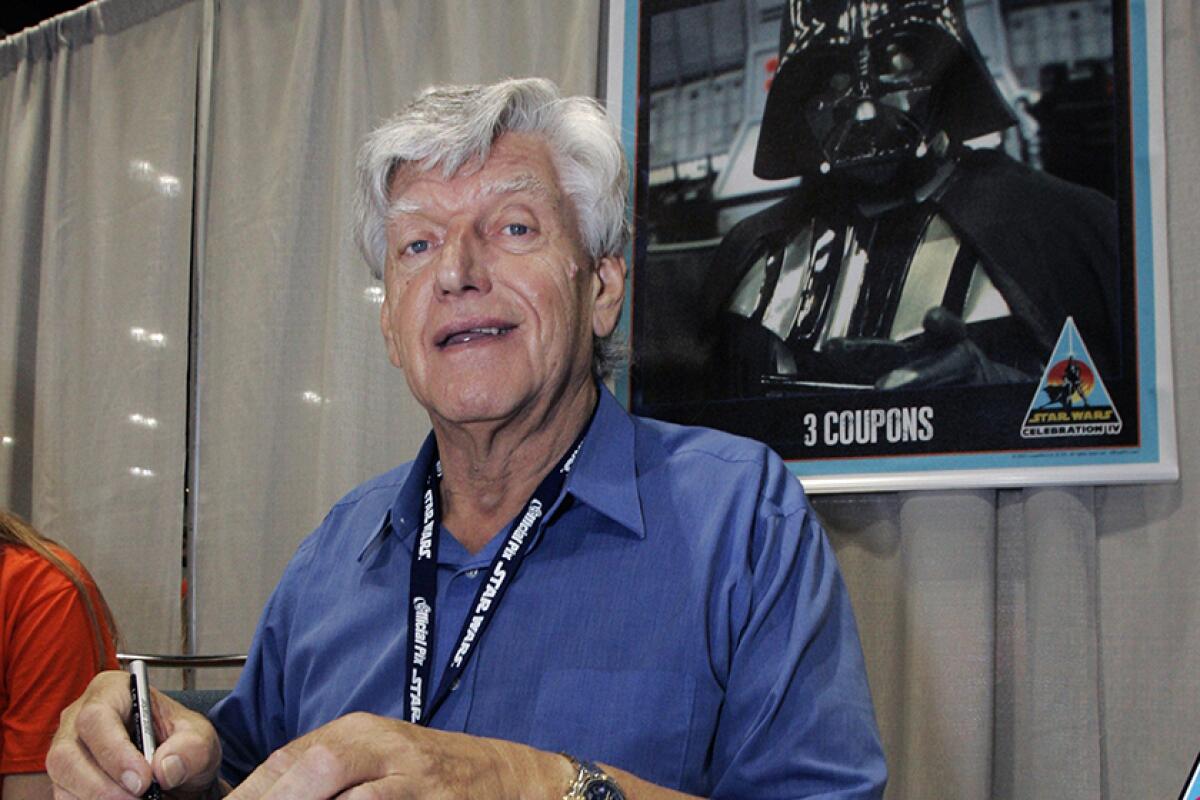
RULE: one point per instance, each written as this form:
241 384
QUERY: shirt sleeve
51 660
798 719
251 720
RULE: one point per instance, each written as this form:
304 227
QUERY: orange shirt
47 656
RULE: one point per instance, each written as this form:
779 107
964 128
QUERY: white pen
142 720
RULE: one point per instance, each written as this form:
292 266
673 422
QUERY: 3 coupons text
868 426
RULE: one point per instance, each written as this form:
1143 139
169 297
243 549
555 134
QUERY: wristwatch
591 783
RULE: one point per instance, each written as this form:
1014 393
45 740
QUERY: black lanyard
418 707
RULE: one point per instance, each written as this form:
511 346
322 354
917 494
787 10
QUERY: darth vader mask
867 85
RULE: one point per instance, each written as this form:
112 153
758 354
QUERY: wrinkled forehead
515 164
411 191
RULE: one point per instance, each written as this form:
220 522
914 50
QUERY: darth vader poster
906 243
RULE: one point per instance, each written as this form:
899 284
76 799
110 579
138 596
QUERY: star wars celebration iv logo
1071 399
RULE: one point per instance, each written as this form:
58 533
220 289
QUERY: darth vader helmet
862 83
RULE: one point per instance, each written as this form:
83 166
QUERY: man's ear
389 335
609 285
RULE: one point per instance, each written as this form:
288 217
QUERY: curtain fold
920 567
95 181
1054 648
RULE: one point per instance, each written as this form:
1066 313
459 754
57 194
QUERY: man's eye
417 247
516 229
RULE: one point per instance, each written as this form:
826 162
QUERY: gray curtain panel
97 125
1021 643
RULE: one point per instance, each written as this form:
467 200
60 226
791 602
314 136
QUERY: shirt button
472 574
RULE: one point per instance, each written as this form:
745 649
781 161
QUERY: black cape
1050 247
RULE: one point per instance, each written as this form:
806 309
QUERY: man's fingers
329 761
300 771
318 772
190 753
102 729
390 788
189 759
259 782
91 755
76 774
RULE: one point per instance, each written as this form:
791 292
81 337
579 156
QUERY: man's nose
461 266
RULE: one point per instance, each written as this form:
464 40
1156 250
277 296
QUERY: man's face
491 299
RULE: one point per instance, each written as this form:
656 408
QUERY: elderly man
550 576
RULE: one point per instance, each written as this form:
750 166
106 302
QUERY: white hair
455 126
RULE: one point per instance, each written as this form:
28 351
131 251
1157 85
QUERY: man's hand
956 361
91 755
945 355
363 756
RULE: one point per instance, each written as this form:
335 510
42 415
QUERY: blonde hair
15 531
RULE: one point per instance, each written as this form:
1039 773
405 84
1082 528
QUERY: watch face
602 789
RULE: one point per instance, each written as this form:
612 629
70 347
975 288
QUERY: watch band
591 782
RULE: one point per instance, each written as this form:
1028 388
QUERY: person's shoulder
26 570
679 440
21 560
703 458
377 491
356 514
71 560
30 584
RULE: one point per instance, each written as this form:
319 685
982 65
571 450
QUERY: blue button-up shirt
680 615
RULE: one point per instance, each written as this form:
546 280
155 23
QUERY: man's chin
478 406
505 408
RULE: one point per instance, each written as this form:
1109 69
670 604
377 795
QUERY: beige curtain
96 119
1021 644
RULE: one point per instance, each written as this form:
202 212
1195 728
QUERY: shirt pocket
638 720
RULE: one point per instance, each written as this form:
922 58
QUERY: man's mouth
473 334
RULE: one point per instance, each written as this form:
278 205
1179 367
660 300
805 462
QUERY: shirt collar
604 477
605 474
400 517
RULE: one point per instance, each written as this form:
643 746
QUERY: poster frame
1152 457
